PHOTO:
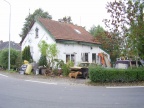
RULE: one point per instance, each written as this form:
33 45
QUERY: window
36 32
93 57
67 58
84 57
70 57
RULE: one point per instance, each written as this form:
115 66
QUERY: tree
4 58
127 24
42 60
137 27
29 20
26 54
96 31
19 61
43 47
50 51
109 43
66 19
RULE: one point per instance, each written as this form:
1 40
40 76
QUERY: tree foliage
29 20
66 19
127 23
50 51
42 60
26 54
14 56
96 31
43 47
109 43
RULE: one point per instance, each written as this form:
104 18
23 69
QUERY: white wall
64 49
77 49
33 42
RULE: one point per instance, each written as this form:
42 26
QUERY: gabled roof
67 31
13 45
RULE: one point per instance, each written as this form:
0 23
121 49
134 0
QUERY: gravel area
54 79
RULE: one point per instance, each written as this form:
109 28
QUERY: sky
84 13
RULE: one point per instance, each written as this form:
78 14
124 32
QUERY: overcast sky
83 12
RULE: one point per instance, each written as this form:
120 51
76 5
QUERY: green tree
109 43
26 54
43 47
96 31
19 61
67 19
42 60
136 27
29 20
127 22
4 58
50 51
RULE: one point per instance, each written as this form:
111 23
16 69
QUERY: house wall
76 49
33 41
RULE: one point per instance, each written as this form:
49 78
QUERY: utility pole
9 33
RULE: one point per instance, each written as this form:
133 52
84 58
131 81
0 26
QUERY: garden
56 67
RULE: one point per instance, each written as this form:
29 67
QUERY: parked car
124 64
83 68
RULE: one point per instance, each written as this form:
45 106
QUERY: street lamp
9 34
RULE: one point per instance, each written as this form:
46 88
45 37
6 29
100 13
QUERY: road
24 93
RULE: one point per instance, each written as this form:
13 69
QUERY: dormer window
36 32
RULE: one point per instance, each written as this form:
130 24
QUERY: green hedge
100 74
15 58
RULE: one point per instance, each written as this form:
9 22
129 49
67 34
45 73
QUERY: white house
73 42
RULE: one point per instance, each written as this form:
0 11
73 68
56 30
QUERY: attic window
36 32
77 31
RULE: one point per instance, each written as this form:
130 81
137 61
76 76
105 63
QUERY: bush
26 54
100 74
66 68
42 61
15 58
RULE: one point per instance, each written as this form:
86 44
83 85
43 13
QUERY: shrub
19 61
42 61
66 68
26 54
100 74
14 56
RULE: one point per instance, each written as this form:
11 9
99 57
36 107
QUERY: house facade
73 42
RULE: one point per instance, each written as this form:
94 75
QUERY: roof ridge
65 31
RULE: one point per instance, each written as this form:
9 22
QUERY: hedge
15 58
100 74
